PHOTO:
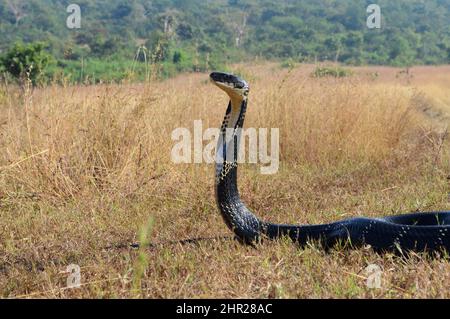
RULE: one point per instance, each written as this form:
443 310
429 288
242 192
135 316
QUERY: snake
419 231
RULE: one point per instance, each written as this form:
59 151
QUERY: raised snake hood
236 88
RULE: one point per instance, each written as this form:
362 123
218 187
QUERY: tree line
119 39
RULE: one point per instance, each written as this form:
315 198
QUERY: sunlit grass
82 169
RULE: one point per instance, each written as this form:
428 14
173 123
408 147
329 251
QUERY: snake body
428 231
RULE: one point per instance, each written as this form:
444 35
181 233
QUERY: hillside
198 34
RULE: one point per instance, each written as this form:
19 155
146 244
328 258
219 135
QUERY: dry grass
82 169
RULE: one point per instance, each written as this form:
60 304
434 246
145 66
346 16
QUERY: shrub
336 72
26 62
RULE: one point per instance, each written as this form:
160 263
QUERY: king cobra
408 232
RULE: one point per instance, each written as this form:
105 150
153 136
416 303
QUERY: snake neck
246 226
236 215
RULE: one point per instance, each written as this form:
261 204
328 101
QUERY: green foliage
26 61
199 35
334 71
288 64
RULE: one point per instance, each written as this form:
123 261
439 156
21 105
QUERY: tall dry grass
83 168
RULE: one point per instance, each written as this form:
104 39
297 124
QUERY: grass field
85 171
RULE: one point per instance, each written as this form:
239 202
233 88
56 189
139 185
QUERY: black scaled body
418 231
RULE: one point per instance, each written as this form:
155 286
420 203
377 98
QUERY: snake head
235 87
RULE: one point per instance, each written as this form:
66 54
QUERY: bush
336 72
26 62
288 64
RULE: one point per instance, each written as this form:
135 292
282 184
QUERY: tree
185 31
159 44
121 11
102 47
26 62
17 7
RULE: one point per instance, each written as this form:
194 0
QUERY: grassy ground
85 171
